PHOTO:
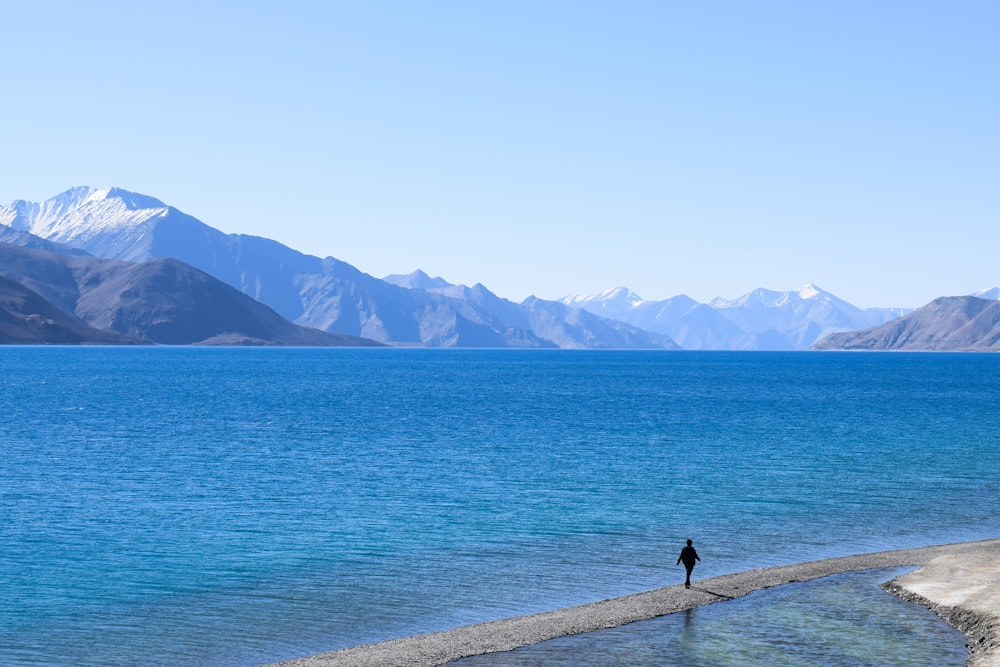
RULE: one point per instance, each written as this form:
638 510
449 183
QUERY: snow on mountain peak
622 295
759 298
991 293
618 295
98 195
809 291
614 302
765 298
83 212
133 201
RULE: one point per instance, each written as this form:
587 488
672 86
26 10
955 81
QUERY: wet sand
960 582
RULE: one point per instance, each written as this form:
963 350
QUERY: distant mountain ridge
163 301
759 320
415 309
992 293
417 280
957 323
327 294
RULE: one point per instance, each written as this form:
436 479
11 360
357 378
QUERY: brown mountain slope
162 301
28 319
949 323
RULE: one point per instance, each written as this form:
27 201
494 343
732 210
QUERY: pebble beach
959 582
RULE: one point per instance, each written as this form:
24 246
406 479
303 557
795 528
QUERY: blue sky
540 148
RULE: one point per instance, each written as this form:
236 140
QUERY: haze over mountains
760 320
326 294
332 296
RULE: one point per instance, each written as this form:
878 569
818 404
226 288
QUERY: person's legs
687 582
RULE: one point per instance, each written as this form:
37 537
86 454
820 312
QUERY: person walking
688 557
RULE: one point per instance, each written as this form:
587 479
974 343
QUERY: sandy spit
960 582
963 588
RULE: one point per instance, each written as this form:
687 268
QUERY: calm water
237 506
840 621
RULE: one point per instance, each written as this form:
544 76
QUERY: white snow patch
809 291
992 293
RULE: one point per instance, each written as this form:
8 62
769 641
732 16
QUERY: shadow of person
718 595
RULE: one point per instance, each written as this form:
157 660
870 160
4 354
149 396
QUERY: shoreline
964 590
960 582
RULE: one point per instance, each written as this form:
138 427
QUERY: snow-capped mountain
991 293
693 325
614 303
801 316
331 295
324 293
110 223
759 320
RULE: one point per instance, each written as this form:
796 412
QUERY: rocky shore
960 582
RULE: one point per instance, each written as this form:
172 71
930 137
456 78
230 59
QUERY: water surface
237 506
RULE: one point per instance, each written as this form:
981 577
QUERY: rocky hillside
322 293
162 301
26 318
955 323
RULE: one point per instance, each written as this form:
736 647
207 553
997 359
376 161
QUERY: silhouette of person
688 556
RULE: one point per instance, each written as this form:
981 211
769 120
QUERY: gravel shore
963 588
960 582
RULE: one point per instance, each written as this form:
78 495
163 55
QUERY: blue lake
238 506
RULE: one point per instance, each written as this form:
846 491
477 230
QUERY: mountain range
161 270
760 320
81 299
321 293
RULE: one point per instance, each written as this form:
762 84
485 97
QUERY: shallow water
839 621
252 505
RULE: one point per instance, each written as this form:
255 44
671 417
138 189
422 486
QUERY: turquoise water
238 506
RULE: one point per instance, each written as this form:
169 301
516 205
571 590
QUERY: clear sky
538 147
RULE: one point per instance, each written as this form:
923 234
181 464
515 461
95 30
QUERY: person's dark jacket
688 557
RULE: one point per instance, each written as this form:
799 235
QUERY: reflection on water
844 620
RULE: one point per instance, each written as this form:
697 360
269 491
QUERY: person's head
689 542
